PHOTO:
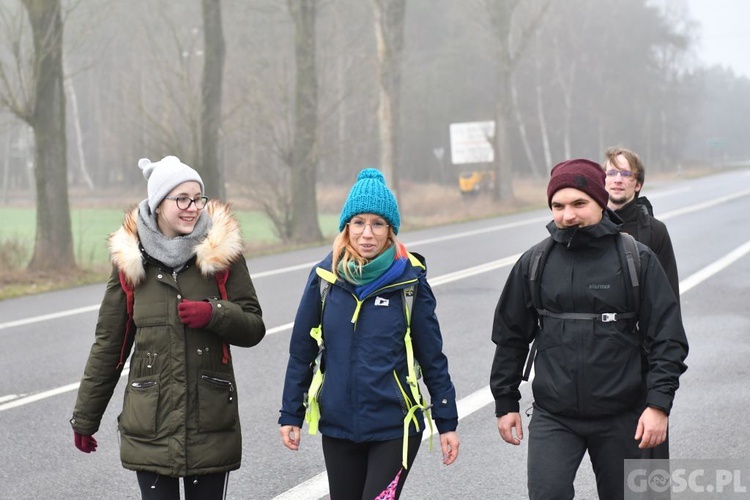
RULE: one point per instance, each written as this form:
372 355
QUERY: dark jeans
206 487
557 445
365 470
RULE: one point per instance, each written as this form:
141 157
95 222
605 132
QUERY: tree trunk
68 85
522 131
389 33
304 221
508 48
566 79
213 73
542 117
501 12
53 247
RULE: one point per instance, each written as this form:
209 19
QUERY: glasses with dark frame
183 202
357 227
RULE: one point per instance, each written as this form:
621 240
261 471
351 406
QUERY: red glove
86 444
195 314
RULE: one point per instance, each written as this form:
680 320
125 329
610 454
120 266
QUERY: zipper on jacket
220 381
143 385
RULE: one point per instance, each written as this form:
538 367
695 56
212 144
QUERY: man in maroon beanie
594 389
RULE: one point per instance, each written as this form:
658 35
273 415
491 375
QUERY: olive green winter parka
180 410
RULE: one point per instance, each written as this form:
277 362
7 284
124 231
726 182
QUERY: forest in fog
276 97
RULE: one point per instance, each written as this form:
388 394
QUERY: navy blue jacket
360 399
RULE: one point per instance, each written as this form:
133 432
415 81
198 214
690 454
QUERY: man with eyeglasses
625 177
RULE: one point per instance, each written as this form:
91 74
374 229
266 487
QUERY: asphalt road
45 340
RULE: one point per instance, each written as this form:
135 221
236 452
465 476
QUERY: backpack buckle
609 317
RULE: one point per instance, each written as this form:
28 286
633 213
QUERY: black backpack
539 254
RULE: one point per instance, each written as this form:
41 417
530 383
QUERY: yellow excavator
476 181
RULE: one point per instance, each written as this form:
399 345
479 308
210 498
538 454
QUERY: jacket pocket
217 403
402 397
140 408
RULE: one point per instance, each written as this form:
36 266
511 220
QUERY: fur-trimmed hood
222 246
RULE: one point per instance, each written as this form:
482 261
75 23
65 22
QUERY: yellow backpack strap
414 261
414 373
312 408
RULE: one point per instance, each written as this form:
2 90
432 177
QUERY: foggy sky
724 37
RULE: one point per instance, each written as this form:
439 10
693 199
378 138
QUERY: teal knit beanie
370 195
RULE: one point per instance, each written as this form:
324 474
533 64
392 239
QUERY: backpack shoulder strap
409 293
539 254
326 279
312 407
633 260
221 281
414 373
127 341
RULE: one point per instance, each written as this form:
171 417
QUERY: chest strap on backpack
539 254
603 317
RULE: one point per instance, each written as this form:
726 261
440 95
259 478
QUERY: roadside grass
91 228
93 218
422 205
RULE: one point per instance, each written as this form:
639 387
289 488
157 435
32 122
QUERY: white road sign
471 142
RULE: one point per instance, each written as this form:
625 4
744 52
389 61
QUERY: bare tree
213 71
304 218
41 103
389 33
169 100
510 40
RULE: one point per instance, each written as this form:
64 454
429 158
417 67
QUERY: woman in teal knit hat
366 324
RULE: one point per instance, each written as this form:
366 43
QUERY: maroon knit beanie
584 175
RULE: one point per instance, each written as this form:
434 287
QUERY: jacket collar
222 246
415 268
573 237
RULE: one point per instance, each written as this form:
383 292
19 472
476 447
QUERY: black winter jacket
638 221
586 368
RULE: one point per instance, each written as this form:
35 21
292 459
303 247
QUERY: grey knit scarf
173 252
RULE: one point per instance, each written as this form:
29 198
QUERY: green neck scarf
371 270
